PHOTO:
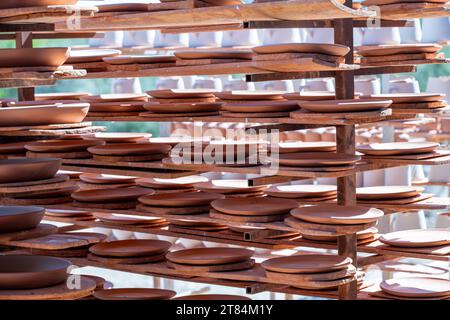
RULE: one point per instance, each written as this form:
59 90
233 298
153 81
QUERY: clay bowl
145 59
130 248
336 214
91 55
134 294
33 57
182 107
418 238
117 97
291 147
254 206
397 148
185 199
321 48
13 148
306 263
123 149
175 183
228 186
215 54
25 169
417 287
250 95
411 97
23 272
60 145
118 137
301 191
260 106
128 106
17 218
387 192
60 96
10 4
314 159
209 256
114 195
43 115
385 50
100 178
212 297
349 105
181 93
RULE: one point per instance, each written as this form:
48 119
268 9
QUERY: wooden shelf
46 14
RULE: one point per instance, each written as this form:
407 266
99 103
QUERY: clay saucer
60 96
196 224
173 141
13 148
33 57
128 106
417 287
18 218
417 238
350 105
114 195
181 93
321 48
25 169
175 183
123 149
170 108
209 256
366 234
211 297
101 178
387 192
91 55
116 97
118 137
67 213
23 272
306 263
290 147
139 59
397 148
336 214
250 95
134 294
130 248
301 191
11 4
60 145
310 95
127 219
185 199
410 97
215 54
228 186
314 159
260 106
254 206
385 50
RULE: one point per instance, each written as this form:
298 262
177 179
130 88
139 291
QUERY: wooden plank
211 28
403 11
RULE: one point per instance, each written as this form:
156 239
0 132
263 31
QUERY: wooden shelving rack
41 23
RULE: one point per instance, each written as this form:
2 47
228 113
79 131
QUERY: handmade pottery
126 106
209 256
387 192
417 238
260 106
60 145
417 287
314 159
228 186
13 148
175 183
130 248
123 149
60 96
91 55
114 195
254 206
321 48
140 59
410 97
101 178
67 213
306 263
291 147
310 95
250 95
185 199
212 54
33 57
174 108
18 218
127 219
25 169
301 191
351 105
385 50
181 93
116 97
397 148
134 294
118 137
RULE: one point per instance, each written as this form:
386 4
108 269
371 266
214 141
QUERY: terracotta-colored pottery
291 147
387 192
130 248
260 106
215 54
250 95
140 59
134 294
123 149
118 137
254 206
101 178
417 238
417 287
301 191
13 148
321 48
116 97
25 169
306 263
209 256
397 148
185 199
60 96
60 145
386 50
91 55
314 159
112 195
33 57
175 183
351 105
228 186
17 218
181 93
410 97
193 108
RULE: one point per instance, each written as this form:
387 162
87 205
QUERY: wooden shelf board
444 159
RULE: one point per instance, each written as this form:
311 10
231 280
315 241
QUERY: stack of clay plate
420 240
134 293
104 181
12 149
204 226
91 59
130 152
208 57
252 209
362 237
400 150
344 106
414 288
33 59
310 271
178 203
60 96
129 251
214 259
116 105
61 148
390 195
175 185
19 218
303 192
115 198
268 234
114 219
139 62
415 102
299 146
118 137
314 161
68 215
310 95
233 188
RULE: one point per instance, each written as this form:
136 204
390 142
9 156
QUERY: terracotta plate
134 294
181 93
122 149
130 248
33 57
17 218
351 105
416 287
144 59
310 95
222 297
102 178
22 272
14 147
385 50
176 140
118 137
116 97
193 223
175 183
228 186
60 145
290 147
336 214
215 54
387 192
322 48
91 55
250 95
254 206
209 256
60 96
314 159
188 199
114 195
301 191
25 169
182 107
306 263
411 97
126 219
397 148
127 106
260 106
67 213
417 238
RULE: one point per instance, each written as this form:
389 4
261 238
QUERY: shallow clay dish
260 106
290 147
417 287
222 297
336 214
306 263
417 238
185 199
397 148
254 206
170 108
193 223
314 159
116 97
181 93
91 55
118 137
144 59
322 48
13 148
228 186
130 248
301 191
175 183
101 178
67 213
250 95
25 169
351 105
387 192
127 219
22 272
215 54
60 145
115 195
410 97
310 95
60 96
127 106
209 256
134 294
33 57
17 218
385 50
122 149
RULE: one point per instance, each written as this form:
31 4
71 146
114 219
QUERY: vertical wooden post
25 40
